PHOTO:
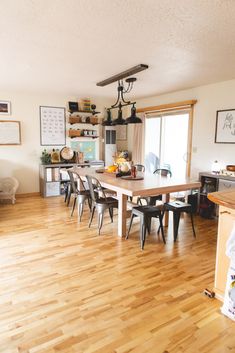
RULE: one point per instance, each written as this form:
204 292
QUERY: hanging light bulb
133 119
119 120
108 121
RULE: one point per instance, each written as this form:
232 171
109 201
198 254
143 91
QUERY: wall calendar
52 126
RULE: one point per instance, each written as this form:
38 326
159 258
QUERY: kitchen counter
223 198
226 202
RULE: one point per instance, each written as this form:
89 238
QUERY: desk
151 185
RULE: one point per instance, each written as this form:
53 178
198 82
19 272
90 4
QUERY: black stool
177 207
146 213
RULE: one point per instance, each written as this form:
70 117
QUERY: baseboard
30 194
219 294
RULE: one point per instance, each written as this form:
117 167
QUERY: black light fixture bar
122 105
133 70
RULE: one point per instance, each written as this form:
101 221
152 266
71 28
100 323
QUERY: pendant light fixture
133 119
119 120
108 121
121 102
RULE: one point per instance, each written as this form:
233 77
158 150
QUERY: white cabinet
53 177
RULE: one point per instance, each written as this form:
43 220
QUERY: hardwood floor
65 289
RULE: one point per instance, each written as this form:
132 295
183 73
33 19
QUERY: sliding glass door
166 142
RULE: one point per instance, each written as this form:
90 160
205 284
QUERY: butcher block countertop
223 198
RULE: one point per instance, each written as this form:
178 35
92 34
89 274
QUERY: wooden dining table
150 185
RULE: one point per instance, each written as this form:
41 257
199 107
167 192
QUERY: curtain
138 141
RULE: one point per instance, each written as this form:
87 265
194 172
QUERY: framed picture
225 126
121 131
52 126
10 132
5 108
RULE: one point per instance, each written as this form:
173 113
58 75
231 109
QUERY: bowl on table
230 167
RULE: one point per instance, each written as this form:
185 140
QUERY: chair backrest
140 167
9 185
163 172
96 190
151 162
74 176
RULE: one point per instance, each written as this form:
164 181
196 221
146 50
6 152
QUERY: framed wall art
10 132
52 126
5 108
225 126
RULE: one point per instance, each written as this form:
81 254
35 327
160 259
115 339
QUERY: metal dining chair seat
146 213
80 195
178 207
151 200
100 201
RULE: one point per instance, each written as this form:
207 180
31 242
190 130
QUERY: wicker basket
93 120
74 133
74 119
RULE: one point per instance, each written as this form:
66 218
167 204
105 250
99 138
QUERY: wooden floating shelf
86 111
93 137
80 122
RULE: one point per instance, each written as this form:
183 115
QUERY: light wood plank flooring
65 289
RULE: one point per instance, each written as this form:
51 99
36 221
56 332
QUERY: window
166 138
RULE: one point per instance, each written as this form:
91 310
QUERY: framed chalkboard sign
52 126
10 133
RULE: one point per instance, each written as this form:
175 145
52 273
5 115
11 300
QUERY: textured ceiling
68 46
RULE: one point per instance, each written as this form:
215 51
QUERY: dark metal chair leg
91 216
69 195
111 214
161 227
144 230
74 204
194 233
132 217
176 220
148 224
141 232
89 202
65 192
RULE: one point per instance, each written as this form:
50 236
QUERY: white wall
22 161
210 98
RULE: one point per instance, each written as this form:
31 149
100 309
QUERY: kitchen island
226 202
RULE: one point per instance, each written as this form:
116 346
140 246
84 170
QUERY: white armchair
8 187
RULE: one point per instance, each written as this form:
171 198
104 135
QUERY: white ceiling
67 46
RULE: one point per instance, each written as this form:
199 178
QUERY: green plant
45 157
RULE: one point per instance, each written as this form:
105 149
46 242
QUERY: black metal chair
177 207
67 192
80 194
163 172
151 200
146 213
100 201
140 168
